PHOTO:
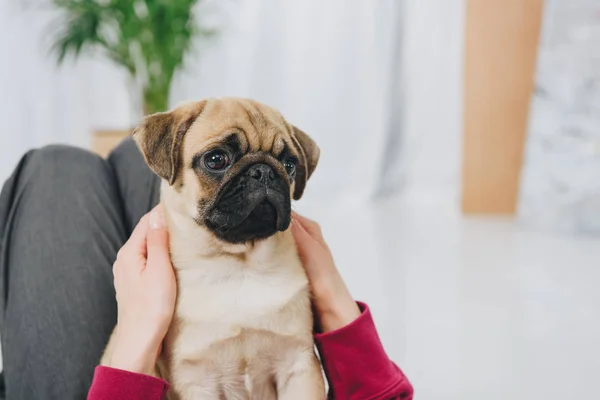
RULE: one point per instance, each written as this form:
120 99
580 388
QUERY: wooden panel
501 48
104 141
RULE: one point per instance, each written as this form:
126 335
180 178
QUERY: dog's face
235 163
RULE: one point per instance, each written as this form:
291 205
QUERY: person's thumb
157 240
298 231
310 226
302 238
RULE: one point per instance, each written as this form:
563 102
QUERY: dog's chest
219 301
236 294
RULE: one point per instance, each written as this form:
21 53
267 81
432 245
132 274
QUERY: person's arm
355 362
146 291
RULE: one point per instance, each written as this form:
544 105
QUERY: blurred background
459 184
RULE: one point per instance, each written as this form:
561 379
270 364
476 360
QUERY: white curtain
328 66
41 103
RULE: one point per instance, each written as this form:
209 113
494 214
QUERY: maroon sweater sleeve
357 366
116 384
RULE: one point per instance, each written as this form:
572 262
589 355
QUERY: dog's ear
160 135
309 157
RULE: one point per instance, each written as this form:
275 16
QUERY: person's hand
333 304
146 292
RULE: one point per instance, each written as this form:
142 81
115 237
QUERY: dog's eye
216 160
290 167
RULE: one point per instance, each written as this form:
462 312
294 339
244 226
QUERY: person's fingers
301 218
301 236
158 240
310 226
136 245
132 256
306 245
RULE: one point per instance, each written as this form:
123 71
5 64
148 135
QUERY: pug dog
243 326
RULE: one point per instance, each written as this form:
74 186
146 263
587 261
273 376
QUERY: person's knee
64 163
55 175
64 157
63 154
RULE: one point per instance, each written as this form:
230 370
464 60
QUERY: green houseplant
149 38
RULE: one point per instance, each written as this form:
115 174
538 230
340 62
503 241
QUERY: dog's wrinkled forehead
248 125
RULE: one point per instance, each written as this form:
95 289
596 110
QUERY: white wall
326 65
433 62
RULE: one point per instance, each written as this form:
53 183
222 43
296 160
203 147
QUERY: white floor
474 309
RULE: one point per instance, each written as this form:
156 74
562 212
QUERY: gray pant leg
138 185
61 225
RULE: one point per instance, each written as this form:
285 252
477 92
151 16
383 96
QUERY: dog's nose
262 172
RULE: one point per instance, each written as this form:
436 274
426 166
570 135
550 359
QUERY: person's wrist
135 353
335 310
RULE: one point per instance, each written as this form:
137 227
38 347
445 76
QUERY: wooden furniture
500 55
103 141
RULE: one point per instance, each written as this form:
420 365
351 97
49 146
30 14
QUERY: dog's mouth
262 222
249 210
